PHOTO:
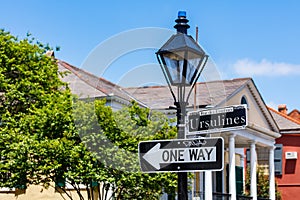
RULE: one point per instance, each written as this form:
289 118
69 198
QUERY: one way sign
181 155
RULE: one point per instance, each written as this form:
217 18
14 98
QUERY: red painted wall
289 181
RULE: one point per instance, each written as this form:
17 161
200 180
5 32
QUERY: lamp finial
182 21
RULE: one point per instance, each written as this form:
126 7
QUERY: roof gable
284 121
295 114
258 114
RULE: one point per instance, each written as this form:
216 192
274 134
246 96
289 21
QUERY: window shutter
278 159
59 180
219 181
239 180
21 182
248 156
94 184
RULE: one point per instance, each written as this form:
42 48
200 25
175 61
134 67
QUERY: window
244 101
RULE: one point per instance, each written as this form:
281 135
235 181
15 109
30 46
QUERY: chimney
282 109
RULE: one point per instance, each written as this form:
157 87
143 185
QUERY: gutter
263 130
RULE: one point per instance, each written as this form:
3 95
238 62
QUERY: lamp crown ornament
181 59
182 21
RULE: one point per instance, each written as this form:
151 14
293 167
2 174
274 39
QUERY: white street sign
182 155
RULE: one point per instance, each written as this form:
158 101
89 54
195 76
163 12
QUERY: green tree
113 138
45 137
262 184
37 129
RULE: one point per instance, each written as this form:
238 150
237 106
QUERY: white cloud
247 67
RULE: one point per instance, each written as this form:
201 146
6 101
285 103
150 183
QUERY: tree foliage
45 137
113 138
36 118
262 184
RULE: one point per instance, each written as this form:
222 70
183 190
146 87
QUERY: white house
259 135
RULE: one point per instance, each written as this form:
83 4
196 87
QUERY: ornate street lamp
182 61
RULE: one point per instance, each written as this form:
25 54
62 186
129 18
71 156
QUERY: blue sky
258 39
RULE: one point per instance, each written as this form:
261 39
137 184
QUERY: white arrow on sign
156 156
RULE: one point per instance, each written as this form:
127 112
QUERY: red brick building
288 179
295 114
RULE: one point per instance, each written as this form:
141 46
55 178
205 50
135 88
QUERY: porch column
242 161
232 179
253 162
208 185
271 174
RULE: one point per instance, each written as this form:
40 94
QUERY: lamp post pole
182 61
182 176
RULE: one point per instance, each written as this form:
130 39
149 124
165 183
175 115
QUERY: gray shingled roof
86 85
285 123
208 93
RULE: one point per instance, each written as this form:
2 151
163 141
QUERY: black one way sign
182 155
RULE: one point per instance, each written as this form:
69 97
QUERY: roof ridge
75 71
141 87
202 82
89 73
226 80
294 111
283 115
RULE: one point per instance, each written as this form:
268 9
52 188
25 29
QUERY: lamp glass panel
192 69
175 66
